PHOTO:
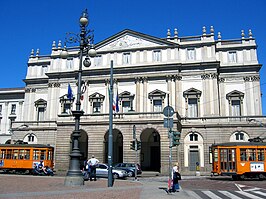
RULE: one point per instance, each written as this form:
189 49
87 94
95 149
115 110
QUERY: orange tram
22 158
239 159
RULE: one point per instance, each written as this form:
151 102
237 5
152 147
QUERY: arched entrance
83 147
117 146
150 154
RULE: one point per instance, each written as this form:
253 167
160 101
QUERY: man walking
92 164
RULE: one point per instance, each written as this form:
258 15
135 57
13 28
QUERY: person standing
92 165
175 177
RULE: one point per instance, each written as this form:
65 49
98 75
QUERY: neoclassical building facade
213 86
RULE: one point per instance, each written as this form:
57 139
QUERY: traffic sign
168 111
168 122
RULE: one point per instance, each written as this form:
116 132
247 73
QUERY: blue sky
36 24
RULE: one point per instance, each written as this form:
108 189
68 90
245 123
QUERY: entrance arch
117 146
150 154
83 147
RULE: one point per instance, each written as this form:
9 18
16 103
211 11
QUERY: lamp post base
74 181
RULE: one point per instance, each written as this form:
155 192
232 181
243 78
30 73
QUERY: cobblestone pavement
42 187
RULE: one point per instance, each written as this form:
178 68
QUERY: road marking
260 193
252 189
211 195
230 195
193 194
248 195
239 186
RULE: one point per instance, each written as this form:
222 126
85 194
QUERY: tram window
260 154
50 155
8 153
21 154
27 154
43 155
36 154
3 154
215 155
15 154
251 154
243 155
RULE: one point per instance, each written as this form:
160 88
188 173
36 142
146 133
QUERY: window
69 63
96 101
191 54
30 138
126 58
44 70
66 104
192 98
1 109
157 98
126 106
156 55
235 100
96 107
193 137
157 105
239 136
40 108
13 109
235 108
192 107
232 57
126 98
98 60
260 154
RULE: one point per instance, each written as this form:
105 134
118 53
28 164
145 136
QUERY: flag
116 101
69 92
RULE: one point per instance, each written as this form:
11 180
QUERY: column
206 95
145 94
222 98
214 97
257 94
137 101
178 94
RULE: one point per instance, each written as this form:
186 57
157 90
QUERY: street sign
168 122
168 111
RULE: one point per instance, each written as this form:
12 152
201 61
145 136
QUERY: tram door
228 160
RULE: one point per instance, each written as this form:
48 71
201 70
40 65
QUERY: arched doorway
150 154
83 147
117 146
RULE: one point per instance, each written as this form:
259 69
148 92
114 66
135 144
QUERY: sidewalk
44 187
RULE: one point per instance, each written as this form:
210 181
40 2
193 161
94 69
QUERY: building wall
214 71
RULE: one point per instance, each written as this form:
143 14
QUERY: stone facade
213 86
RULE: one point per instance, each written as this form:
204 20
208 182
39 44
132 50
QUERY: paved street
26 186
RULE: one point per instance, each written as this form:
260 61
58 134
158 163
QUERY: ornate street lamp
85 39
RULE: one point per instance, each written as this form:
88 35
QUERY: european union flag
69 92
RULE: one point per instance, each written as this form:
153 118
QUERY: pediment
96 95
157 93
234 94
129 39
192 92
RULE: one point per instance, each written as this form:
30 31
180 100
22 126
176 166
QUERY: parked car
129 168
102 171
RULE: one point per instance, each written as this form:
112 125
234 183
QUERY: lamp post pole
74 175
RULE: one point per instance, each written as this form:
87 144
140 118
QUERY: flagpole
110 138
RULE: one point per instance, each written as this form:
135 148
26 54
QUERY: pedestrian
92 163
175 177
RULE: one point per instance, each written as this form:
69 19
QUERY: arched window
239 136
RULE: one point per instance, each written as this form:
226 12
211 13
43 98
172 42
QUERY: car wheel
116 176
130 174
